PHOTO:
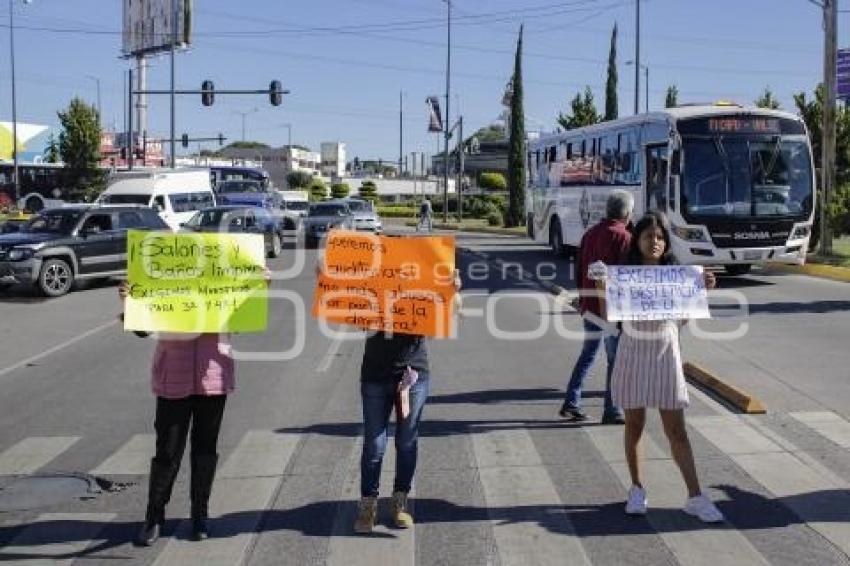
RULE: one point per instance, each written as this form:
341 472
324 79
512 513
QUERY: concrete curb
738 398
455 227
814 270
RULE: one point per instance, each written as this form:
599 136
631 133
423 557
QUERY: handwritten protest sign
401 285
670 292
195 282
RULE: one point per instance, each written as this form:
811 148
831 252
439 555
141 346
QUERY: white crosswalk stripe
785 475
828 425
243 489
513 476
665 489
32 453
55 539
131 459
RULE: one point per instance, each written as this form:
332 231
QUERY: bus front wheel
738 269
556 239
529 226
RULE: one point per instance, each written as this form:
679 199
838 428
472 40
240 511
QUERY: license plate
752 255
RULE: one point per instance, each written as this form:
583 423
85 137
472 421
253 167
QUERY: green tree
369 191
672 99
298 179
493 132
318 190
340 190
492 181
768 100
51 152
516 146
584 112
245 145
811 111
611 104
79 147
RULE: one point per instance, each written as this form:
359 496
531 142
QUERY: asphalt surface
501 479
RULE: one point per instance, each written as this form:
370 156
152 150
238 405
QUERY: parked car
14 223
324 216
240 219
175 193
63 245
365 216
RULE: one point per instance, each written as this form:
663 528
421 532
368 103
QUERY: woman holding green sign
191 377
648 373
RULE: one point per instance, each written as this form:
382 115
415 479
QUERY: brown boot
367 511
402 518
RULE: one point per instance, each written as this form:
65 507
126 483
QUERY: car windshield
126 199
214 217
747 177
240 186
54 222
328 210
298 205
360 206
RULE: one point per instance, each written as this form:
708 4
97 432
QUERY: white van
176 193
294 205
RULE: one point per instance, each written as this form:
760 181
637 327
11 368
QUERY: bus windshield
747 177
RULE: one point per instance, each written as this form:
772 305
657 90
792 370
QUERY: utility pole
637 56
830 19
173 99
400 129
459 186
646 80
131 143
15 176
447 121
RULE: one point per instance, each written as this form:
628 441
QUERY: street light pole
447 121
646 80
173 99
637 57
830 18
15 174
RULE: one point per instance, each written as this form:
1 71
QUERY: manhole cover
34 492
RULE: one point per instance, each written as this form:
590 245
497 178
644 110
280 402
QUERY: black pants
173 419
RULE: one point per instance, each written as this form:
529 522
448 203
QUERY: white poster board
669 292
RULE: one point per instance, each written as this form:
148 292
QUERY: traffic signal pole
830 18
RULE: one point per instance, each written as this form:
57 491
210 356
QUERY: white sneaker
636 504
703 508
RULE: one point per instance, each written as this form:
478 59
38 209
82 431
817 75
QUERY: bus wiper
724 160
774 157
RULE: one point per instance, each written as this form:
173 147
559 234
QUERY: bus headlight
801 232
690 234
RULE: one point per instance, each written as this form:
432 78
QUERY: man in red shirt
607 242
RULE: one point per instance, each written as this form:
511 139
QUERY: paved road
501 479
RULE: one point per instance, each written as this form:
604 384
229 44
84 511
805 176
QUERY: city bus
736 183
222 173
43 179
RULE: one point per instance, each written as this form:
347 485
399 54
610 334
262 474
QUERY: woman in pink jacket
192 375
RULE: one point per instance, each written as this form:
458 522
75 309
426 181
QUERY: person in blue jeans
607 242
391 363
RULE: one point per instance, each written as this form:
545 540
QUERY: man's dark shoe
572 413
613 419
200 531
149 534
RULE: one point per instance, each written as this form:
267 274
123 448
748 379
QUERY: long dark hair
652 219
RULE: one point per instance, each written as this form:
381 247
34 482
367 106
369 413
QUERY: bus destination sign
744 125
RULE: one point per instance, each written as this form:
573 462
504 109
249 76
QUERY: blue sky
345 82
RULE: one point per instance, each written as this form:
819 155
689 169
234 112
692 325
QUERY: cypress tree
611 105
516 151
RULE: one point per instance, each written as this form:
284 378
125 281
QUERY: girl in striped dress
648 374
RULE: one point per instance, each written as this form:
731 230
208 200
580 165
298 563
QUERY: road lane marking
55 538
720 544
817 498
57 348
390 547
244 488
828 424
513 478
131 459
329 356
32 453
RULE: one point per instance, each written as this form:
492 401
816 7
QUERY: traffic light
220 139
207 93
275 93
184 139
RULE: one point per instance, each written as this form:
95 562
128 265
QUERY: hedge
397 211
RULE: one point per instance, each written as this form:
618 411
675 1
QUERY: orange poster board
395 284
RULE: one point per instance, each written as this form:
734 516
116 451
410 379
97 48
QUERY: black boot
203 472
159 492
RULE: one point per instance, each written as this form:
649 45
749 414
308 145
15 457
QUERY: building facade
333 159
